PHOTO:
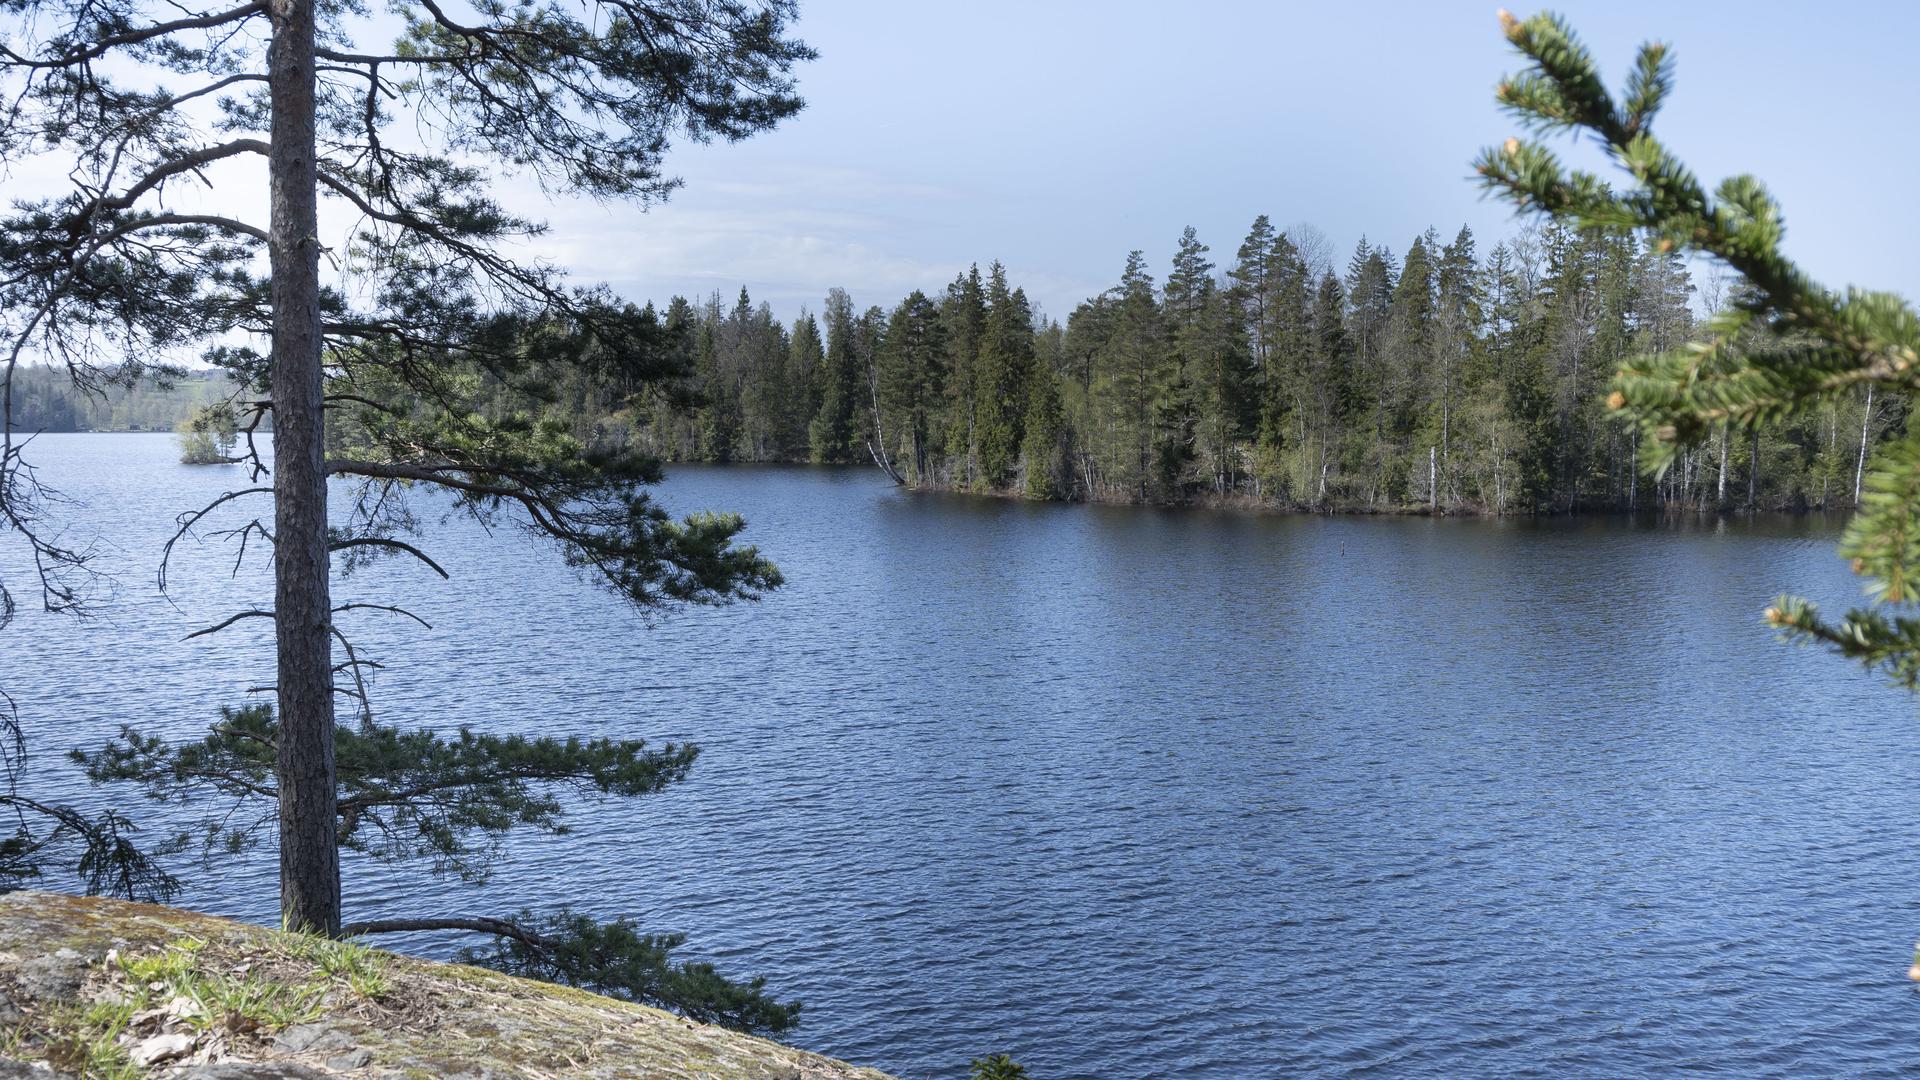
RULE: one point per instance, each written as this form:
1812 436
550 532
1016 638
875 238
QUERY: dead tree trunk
1860 465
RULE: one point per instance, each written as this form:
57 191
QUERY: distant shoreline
1237 504
1243 504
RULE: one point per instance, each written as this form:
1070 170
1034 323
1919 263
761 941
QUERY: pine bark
309 853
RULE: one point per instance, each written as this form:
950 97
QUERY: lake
1125 792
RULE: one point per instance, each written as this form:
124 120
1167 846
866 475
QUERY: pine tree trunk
309 855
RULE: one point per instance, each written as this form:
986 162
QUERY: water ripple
1130 793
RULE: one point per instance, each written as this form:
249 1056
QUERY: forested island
1132 793
1441 380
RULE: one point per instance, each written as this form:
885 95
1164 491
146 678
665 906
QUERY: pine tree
910 382
1138 379
869 438
1044 451
1283 393
719 416
806 367
370 365
835 433
963 317
1456 330
1004 373
1252 277
1372 277
757 365
1340 400
1221 373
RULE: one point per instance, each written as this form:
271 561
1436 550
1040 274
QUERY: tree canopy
366 342
1786 347
1456 375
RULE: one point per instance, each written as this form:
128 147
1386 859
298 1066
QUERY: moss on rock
114 989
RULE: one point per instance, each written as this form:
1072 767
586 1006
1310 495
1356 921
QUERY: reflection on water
1126 792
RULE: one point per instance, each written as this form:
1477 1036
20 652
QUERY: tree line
1442 379
49 399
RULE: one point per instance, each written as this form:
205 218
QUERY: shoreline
1245 504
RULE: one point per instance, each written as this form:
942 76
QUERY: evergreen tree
1372 276
1785 349
1253 288
1004 373
719 415
1283 399
1138 377
1402 374
910 382
835 434
1045 453
963 317
869 343
757 361
806 369
1220 371
371 370
1455 332
996 1067
1339 396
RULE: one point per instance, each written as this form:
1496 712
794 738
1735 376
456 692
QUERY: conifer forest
827 608
1446 377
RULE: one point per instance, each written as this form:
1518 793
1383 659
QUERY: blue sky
1058 136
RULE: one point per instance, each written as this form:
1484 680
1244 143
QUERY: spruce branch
1787 346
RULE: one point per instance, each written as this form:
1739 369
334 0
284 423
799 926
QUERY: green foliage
403 795
616 959
236 1001
1275 381
447 799
426 317
963 316
208 436
1005 364
911 373
50 399
1045 449
86 1039
834 433
100 848
205 988
1787 348
474 426
996 1067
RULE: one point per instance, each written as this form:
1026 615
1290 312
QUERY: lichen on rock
105 988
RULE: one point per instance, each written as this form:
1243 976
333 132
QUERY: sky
1056 137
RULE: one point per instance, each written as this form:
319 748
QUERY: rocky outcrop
92 987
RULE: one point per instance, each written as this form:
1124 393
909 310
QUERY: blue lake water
1128 793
